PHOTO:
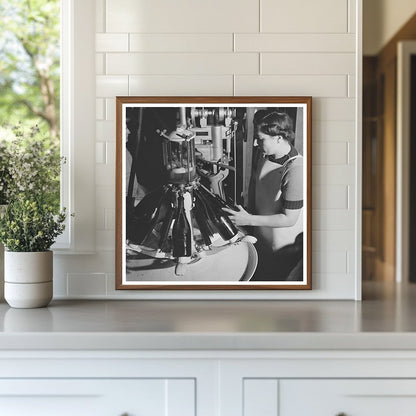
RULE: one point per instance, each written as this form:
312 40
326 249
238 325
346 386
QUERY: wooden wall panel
383 112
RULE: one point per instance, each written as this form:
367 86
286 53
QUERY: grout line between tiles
260 19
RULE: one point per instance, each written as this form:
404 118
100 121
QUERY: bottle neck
181 203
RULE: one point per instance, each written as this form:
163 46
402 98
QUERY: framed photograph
213 193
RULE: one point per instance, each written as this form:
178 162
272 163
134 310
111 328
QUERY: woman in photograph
277 220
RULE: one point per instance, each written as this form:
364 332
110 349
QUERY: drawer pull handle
341 414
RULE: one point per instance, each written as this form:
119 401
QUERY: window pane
30 69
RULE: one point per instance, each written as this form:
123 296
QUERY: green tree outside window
30 69
30 62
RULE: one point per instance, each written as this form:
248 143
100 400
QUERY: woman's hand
287 218
240 217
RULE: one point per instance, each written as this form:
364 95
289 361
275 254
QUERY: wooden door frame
404 50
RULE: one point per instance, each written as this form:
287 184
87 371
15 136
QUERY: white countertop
385 319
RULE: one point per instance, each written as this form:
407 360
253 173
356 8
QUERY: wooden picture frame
180 159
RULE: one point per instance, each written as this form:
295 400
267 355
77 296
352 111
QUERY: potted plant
28 228
32 220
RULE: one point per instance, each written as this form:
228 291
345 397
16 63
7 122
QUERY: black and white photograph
213 193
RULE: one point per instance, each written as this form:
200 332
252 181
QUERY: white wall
233 47
381 20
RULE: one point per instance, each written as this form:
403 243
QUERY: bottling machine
184 218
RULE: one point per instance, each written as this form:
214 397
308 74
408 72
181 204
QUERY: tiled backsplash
232 47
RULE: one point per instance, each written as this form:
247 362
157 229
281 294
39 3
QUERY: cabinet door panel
86 397
349 397
260 397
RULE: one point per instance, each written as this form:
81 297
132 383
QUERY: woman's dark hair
274 124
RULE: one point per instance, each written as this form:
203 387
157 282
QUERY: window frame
77 102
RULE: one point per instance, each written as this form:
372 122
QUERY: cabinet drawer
86 397
347 397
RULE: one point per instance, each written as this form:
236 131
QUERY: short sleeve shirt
292 183
278 188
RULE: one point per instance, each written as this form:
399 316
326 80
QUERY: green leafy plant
30 167
5 177
29 224
29 163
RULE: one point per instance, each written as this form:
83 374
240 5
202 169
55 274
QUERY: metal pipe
221 165
182 115
217 150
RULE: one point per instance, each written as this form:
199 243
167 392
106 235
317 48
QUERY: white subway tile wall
181 85
110 153
314 85
105 130
100 153
330 240
334 109
350 262
103 197
100 64
178 42
323 130
182 63
100 16
351 86
110 109
86 284
282 42
300 16
100 218
111 86
100 109
332 220
109 219
333 175
352 16
112 42
317 63
330 153
182 16
233 47
104 175
105 239
330 196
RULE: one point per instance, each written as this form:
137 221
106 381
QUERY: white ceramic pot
28 278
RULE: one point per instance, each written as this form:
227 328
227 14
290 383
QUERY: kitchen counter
383 320
211 358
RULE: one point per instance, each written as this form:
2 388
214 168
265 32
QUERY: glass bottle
181 232
225 226
208 213
146 216
202 222
164 241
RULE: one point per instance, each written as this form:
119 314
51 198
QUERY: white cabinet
86 397
207 383
348 397
113 383
319 383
